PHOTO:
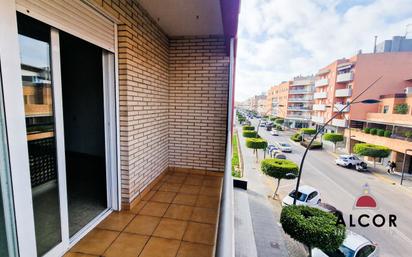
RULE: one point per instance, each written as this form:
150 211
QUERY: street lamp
366 101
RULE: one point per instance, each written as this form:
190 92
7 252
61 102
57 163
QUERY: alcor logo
368 202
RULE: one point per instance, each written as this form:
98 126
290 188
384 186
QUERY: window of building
385 109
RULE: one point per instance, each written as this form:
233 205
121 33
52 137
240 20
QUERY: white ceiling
186 17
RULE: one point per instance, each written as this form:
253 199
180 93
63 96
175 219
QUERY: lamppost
367 101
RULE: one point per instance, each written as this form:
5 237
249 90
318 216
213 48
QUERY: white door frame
17 139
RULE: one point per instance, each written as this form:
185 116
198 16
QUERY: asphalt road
341 187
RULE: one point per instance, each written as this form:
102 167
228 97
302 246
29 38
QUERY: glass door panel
35 55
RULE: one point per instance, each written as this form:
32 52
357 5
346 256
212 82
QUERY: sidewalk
265 213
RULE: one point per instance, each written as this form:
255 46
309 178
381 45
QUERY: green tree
402 108
308 131
370 150
256 144
279 169
312 227
334 138
249 133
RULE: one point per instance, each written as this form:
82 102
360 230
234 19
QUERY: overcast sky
280 39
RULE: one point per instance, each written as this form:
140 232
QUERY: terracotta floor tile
208 201
160 247
194 250
180 212
116 221
176 179
209 191
194 180
212 182
190 189
163 197
185 199
157 186
169 187
170 228
200 233
96 242
204 215
70 254
154 209
144 225
148 195
138 207
126 245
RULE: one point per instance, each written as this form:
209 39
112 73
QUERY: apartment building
257 104
100 103
299 104
344 79
394 114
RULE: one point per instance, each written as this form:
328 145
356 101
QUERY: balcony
318 119
319 107
301 91
322 82
339 123
340 107
401 119
298 117
302 82
344 77
343 92
299 108
299 99
320 95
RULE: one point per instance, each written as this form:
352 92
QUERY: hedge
235 157
387 133
408 134
367 130
315 144
278 168
371 150
312 227
373 131
248 128
333 137
278 127
249 133
380 132
296 137
308 131
279 121
256 143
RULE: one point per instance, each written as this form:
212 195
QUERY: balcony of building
298 116
339 123
300 99
318 119
300 91
319 107
302 81
299 107
344 77
321 82
346 92
320 95
341 108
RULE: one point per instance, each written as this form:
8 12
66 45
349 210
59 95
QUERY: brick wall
198 78
176 86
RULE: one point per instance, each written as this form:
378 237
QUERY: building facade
396 44
299 104
105 86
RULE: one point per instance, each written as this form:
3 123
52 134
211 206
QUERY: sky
280 39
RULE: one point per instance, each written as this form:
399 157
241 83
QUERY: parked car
279 155
354 245
284 147
271 149
348 161
262 124
329 208
306 195
269 127
274 132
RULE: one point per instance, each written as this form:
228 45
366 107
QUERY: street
341 187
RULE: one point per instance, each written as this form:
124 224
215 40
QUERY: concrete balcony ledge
346 92
339 122
303 91
339 107
299 99
320 95
300 109
401 119
303 82
318 119
319 107
344 77
321 82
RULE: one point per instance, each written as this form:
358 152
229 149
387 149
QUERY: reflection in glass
34 40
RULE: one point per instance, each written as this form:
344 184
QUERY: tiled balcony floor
177 218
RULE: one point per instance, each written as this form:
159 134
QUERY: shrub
387 133
370 150
296 137
248 128
334 138
249 133
315 144
308 131
255 144
272 118
380 132
373 131
408 134
279 121
279 169
402 108
367 130
312 227
278 127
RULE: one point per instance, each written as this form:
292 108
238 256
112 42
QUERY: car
279 155
329 208
348 160
284 147
274 132
272 149
354 245
307 195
